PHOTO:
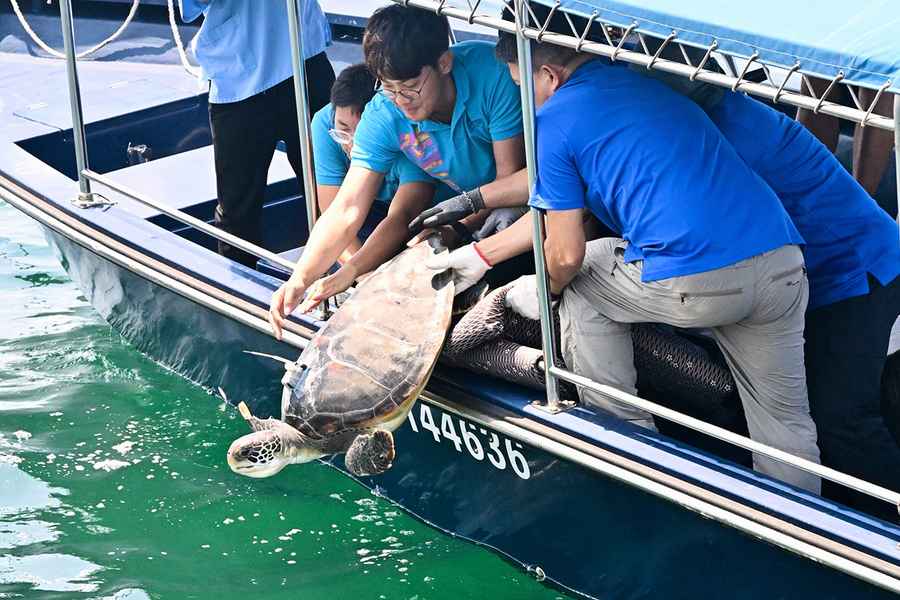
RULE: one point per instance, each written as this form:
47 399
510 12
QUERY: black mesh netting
494 340
675 368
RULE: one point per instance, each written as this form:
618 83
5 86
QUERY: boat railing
183 217
86 197
524 31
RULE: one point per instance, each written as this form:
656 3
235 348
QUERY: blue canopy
859 37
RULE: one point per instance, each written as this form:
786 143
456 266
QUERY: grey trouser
755 309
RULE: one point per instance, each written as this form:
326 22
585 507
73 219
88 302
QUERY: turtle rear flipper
370 453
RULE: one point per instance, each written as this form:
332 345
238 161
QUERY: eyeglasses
405 93
340 136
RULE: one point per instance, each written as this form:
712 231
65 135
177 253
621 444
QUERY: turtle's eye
262 452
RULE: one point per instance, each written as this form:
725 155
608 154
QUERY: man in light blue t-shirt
378 233
454 112
244 51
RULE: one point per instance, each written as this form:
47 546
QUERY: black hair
353 88
400 41
542 53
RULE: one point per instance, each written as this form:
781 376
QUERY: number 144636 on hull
479 442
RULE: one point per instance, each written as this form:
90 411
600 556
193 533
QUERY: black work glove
449 211
498 220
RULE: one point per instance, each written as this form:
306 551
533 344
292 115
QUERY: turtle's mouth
256 469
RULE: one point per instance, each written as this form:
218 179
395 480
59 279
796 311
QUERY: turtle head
271 447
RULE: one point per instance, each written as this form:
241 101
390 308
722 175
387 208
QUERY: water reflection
24 500
113 484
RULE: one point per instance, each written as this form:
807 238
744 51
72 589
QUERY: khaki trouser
755 309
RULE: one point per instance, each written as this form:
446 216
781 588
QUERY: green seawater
113 482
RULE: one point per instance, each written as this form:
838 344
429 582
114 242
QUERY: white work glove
498 220
467 264
522 297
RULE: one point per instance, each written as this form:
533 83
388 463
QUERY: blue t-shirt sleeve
375 144
505 107
558 186
331 162
191 9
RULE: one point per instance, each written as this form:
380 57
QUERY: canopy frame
535 29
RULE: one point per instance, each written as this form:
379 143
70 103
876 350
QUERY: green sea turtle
358 377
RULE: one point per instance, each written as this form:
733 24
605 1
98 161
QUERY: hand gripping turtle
359 376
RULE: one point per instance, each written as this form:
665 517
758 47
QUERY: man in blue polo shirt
852 254
244 51
454 112
853 259
705 243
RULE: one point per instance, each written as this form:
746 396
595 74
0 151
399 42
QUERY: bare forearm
332 233
564 247
561 274
389 237
508 191
509 243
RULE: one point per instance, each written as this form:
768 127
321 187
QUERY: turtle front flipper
255 423
370 453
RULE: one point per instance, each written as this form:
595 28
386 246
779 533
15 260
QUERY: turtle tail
370 453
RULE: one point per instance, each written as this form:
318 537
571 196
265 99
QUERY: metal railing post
303 116
526 86
78 137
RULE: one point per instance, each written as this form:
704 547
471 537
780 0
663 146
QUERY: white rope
89 51
179 44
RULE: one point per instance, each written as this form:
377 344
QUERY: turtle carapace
358 377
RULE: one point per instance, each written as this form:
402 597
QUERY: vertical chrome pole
303 116
526 86
81 157
897 148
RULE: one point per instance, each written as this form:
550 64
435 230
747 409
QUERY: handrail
81 155
301 98
554 372
523 48
187 219
735 439
763 90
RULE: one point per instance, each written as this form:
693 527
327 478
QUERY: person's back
244 48
847 234
679 194
853 260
